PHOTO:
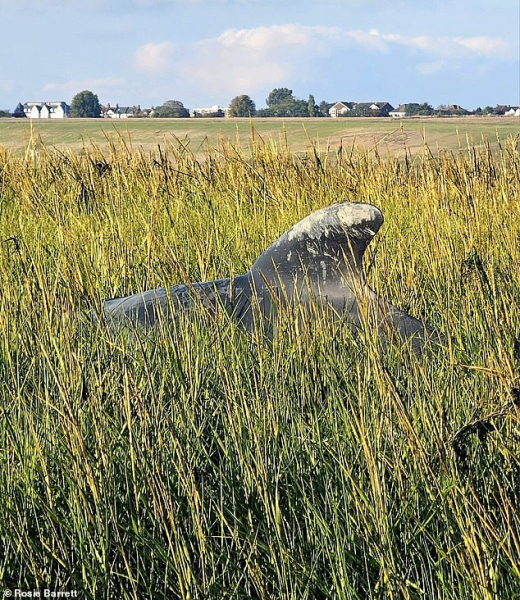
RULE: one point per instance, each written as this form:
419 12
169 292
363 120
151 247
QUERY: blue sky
205 52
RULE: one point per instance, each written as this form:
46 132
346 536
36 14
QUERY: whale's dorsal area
329 235
320 259
322 255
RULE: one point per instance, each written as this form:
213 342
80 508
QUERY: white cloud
153 58
74 86
485 46
71 5
151 3
370 39
454 47
249 60
231 76
444 51
266 39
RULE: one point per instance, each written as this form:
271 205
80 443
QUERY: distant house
514 111
19 112
501 109
385 108
341 109
120 112
452 110
46 110
399 112
213 111
109 112
381 108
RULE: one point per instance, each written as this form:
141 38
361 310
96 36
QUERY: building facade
46 110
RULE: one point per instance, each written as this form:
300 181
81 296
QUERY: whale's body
317 261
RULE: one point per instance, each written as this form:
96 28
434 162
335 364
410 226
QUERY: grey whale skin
319 260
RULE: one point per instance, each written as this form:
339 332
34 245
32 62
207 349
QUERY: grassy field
201 461
389 135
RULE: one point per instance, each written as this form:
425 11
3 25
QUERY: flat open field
390 135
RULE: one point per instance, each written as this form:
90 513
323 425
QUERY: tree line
280 103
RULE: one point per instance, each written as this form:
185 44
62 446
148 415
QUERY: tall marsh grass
200 461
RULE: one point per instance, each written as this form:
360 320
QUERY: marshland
198 460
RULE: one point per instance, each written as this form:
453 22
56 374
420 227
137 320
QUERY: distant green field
388 134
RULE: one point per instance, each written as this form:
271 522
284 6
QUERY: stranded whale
316 262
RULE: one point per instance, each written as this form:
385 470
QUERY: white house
46 110
120 112
340 108
399 112
210 110
514 111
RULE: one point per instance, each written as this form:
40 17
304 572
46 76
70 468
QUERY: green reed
201 461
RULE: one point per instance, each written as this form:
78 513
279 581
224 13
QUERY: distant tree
324 108
487 110
443 110
85 104
279 96
171 109
415 109
451 111
5 113
282 103
265 112
312 109
362 111
19 111
296 108
242 106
